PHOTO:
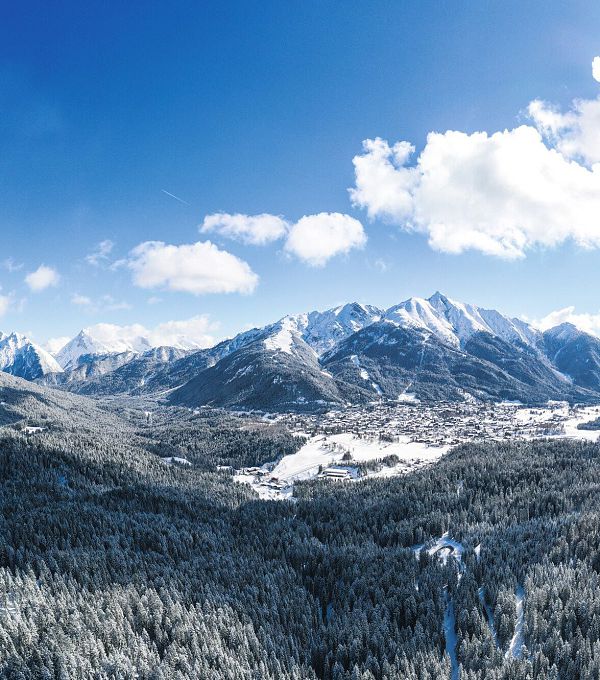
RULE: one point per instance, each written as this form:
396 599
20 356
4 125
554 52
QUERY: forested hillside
114 564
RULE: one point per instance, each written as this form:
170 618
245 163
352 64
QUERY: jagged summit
436 348
21 357
456 322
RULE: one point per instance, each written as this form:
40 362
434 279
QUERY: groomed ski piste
342 451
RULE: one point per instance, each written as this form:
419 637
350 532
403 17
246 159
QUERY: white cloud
100 253
256 230
104 303
11 266
54 345
576 134
590 323
317 238
501 194
596 69
196 268
81 300
43 277
5 302
196 332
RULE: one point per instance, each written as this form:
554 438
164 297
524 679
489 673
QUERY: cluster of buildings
440 424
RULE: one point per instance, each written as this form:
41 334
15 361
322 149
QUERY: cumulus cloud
196 268
596 69
195 332
43 277
590 323
576 133
315 239
256 230
100 253
501 194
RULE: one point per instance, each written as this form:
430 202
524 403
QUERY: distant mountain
20 357
86 344
323 330
124 373
102 340
277 371
395 361
575 354
456 322
434 348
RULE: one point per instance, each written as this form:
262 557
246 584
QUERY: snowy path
450 635
515 649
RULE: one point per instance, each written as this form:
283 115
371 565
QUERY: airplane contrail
175 197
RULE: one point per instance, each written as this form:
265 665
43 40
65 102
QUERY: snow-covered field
323 451
545 416
276 481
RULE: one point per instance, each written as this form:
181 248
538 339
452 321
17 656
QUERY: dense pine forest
114 564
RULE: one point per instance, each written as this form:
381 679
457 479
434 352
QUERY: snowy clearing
324 451
174 460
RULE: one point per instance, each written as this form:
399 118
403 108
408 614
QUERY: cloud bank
590 323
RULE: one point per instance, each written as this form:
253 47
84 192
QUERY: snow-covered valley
384 441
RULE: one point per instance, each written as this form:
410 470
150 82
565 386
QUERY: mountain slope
436 348
279 371
456 322
323 330
392 361
23 358
574 353
86 344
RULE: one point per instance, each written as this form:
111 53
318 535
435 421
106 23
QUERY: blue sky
260 108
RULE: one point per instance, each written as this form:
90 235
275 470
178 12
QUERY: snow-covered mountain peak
20 356
95 341
283 334
565 332
455 322
421 313
321 330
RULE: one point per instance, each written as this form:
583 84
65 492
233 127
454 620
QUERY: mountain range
420 349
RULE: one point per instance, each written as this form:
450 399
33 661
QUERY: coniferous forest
114 564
